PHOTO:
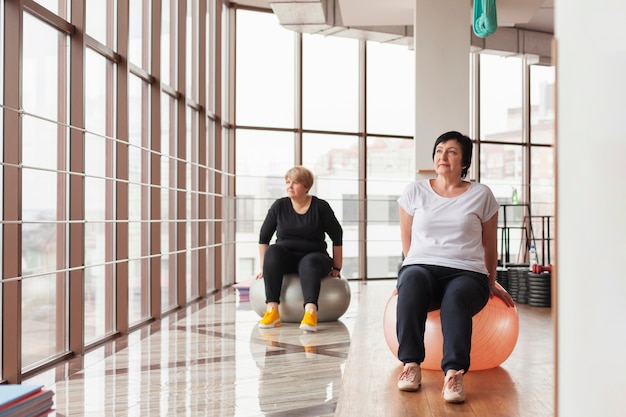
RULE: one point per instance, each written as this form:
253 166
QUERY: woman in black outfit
301 222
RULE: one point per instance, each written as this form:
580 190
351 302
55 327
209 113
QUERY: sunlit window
518 164
100 21
330 91
264 72
43 194
99 189
263 158
390 89
138 193
390 162
501 98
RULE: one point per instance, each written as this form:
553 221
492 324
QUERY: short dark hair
466 148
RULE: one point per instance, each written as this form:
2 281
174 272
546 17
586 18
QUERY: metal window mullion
61 291
180 138
362 181
526 109
121 170
155 157
76 227
11 207
202 146
216 146
298 99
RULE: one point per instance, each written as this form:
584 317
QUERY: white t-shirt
448 231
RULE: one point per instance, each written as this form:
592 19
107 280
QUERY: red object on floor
538 269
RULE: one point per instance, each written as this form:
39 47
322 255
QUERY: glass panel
168 203
210 206
59 7
191 75
138 202
139 28
99 166
43 195
543 199
390 167
390 89
330 89
334 161
501 98
191 204
265 71
99 21
259 181
209 53
168 41
501 169
542 101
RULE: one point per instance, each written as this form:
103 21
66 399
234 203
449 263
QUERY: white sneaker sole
308 328
269 326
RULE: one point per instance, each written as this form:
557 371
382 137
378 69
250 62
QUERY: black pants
311 267
459 294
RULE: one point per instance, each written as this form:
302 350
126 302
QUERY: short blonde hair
302 175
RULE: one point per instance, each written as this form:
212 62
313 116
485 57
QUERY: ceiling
533 15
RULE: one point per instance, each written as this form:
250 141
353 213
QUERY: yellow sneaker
309 321
270 319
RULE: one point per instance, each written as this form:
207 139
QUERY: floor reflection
299 371
209 360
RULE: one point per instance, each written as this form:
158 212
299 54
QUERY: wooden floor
211 360
521 387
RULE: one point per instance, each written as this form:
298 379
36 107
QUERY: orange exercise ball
495 330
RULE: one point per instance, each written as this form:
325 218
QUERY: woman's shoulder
482 190
321 205
479 187
319 202
417 185
280 202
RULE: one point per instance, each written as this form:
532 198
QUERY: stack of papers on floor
25 401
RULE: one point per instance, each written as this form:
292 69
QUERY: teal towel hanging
485 18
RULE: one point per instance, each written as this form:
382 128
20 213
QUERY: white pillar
442 46
591 207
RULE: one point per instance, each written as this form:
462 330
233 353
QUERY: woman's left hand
334 273
500 292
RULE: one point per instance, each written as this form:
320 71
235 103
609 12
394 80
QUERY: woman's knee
468 290
275 253
414 277
318 262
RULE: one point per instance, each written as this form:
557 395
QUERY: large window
334 161
265 71
44 193
99 190
516 161
259 181
107 212
324 137
330 90
390 161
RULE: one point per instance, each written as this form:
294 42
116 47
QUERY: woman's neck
449 187
449 183
301 205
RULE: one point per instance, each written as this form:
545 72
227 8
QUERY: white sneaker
411 377
453 387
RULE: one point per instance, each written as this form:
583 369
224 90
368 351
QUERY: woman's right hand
259 275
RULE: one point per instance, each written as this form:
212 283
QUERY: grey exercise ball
333 301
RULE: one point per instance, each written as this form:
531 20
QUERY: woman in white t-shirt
448 228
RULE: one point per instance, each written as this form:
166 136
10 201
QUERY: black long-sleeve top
302 233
